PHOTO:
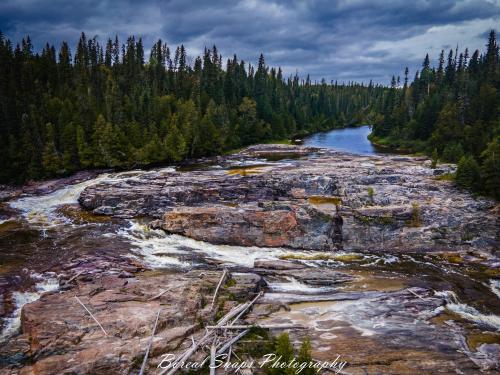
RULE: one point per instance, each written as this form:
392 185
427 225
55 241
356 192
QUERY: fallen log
415 294
227 345
246 308
202 341
212 358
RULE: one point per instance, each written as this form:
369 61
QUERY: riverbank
389 146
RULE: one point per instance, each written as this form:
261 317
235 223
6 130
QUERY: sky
344 40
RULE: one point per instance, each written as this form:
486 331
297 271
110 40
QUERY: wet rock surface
323 200
351 247
352 328
59 336
45 187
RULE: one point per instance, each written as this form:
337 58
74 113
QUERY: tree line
111 106
451 112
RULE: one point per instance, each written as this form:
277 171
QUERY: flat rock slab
324 200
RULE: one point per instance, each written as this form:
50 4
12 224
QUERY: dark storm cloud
345 39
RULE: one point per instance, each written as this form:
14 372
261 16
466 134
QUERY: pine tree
304 357
491 168
468 173
284 351
51 158
174 141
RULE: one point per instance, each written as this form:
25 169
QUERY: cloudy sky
336 39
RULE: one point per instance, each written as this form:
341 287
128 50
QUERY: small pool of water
352 140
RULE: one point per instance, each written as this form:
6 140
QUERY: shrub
434 159
371 193
415 220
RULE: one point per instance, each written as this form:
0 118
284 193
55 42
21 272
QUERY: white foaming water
46 283
41 209
468 312
151 246
294 286
384 259
149 242
495 287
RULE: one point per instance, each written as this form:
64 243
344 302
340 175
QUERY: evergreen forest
110 106
452 113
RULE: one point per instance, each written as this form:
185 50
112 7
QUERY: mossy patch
375 220
445 316
230 204
9 225
321 199
445 177
451 258
475 340
320 256
348 257
323 256
416 217
79 216
277 156
244 171
483 273
493 272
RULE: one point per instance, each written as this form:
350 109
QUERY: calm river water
349 139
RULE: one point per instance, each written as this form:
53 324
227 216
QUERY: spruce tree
468 173
491 168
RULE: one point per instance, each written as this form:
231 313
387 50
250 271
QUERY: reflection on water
349 139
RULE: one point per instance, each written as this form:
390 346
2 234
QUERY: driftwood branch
415 294
227 322
74 277
212 358
93 317
158 295
144 361
218 287
230 342
264 326
247 307
202 341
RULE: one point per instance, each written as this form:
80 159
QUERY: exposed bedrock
322 200
58 336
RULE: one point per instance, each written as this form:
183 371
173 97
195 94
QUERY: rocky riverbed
384 262
327 201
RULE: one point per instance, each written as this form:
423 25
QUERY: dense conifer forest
451 112
111 106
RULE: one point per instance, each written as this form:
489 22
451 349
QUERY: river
389 300
353 140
